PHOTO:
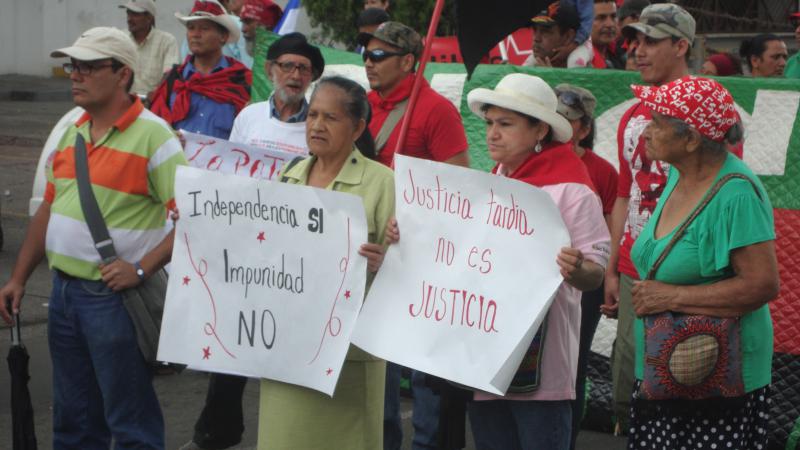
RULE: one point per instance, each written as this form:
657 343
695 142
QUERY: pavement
29 107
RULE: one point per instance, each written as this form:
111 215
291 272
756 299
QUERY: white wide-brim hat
220 18
525 94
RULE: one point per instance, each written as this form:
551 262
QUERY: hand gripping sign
266 280
464 291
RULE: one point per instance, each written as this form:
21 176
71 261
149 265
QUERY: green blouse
736 217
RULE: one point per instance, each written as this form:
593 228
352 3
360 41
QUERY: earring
538 147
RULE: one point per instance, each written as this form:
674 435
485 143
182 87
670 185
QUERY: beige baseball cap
140 6
101 43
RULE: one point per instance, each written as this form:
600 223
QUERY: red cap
702 103
265 12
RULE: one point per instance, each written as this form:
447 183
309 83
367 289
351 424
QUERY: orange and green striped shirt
132 171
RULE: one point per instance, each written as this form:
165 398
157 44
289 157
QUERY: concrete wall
31 29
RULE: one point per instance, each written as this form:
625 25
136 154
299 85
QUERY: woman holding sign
703 330
296 417
530 142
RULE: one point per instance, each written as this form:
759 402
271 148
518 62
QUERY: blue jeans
426 411
521 425
102 386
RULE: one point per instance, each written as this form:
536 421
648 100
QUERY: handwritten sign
464 291
266 279
219 155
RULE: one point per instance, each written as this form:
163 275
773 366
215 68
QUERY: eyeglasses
379 55
289 67
83 68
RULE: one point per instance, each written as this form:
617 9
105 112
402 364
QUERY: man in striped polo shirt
102 386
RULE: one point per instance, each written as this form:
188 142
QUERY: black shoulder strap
288 167
91 211
696 212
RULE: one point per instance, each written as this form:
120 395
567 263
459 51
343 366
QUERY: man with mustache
436 133
604 32
158 50
102 386
277 124
553 29
204 94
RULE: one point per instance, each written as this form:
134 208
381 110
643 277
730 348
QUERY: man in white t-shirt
554 28
279 123
276 124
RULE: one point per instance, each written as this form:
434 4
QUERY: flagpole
412 99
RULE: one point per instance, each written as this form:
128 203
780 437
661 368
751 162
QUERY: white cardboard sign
219 155
266 279
464 291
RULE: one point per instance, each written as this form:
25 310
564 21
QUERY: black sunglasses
379 55
571 99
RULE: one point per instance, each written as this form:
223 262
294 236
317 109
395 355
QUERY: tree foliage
337 18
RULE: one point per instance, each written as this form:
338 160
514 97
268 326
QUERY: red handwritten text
438 198
509 217
462 307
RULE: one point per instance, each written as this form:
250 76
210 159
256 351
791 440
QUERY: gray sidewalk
29 107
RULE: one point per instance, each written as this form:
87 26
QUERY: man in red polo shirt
436 133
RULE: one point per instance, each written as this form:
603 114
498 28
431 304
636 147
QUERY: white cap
214 11
101 43
140 6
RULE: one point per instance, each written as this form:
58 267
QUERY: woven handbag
690 356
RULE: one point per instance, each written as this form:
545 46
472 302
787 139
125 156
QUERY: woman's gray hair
732 137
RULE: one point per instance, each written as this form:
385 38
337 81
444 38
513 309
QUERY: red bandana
557 163
383 105
229 85
700 102
213 8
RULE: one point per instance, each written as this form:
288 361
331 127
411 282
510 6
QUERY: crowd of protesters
664 234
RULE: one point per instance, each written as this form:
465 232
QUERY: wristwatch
139 270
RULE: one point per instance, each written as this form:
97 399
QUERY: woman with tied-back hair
294 417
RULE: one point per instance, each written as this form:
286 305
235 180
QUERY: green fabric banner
768 108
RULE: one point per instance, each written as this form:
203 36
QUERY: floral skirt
721 423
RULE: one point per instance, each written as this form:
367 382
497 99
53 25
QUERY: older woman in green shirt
294 417
723 266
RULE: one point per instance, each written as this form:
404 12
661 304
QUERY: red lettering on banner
202 146
510 218
485 265
214 163
438 199
242 160
477 311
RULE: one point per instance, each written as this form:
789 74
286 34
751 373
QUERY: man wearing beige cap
158 50
102 386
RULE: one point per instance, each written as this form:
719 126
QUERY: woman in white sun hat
531 142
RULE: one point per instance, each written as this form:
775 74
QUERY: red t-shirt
604 177
640 180
435 132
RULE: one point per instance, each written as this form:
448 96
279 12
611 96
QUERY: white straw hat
525 94
214 11
101 43
140 6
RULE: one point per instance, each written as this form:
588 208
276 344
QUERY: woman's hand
374 254
610 306
652 297
392 232
579 273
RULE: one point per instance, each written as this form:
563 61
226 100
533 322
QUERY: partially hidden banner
265 281
219 155
462 293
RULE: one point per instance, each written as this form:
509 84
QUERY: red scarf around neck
557 163
229 85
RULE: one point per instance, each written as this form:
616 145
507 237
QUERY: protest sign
266 279
471 278
219 155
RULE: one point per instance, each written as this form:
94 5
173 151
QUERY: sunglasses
571 99
379 55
